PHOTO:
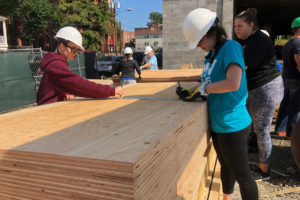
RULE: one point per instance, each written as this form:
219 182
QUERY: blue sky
139 16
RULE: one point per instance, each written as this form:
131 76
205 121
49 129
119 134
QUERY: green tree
92 20
119 33
155 18
33 20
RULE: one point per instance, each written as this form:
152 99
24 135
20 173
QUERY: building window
1 28
146 43
155 43
146 36
156 36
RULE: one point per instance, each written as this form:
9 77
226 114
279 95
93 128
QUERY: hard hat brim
80 47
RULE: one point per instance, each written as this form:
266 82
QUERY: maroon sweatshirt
58 80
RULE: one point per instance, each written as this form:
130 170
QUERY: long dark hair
248 16
221 37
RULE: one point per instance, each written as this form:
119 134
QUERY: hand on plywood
189 94
119 91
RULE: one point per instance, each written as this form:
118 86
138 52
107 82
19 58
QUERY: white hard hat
71 34
265 32
196 24
127 50
148 49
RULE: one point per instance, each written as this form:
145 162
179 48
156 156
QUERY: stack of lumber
113 148
183 75
187 66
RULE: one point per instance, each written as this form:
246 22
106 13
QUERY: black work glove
183 92
194 95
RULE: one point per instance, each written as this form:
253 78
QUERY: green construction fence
17 85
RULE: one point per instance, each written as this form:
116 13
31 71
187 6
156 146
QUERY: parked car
107 65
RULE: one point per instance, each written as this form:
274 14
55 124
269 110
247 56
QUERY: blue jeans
289 111
125 81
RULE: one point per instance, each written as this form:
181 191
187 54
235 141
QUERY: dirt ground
285 175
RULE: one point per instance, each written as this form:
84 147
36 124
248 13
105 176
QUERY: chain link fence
35 57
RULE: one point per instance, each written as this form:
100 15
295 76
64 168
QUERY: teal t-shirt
227 111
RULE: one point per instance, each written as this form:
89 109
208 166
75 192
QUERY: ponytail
221 36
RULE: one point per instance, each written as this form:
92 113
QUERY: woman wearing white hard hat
150 60
225 87
128 67
59 83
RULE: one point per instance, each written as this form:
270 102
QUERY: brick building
128 39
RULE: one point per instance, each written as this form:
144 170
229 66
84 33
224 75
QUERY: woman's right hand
119 91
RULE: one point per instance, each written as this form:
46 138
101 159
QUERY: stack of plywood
183 75
115 148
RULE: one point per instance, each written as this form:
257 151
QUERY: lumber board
187 66
182 75
103 81
189 181
216 187
211 155
196 180
113 148
285 191
180 153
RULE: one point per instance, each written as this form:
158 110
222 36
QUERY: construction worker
59 83
128 67
289 111
224 84
265 85
150 60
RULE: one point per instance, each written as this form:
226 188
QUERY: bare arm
146 65
231 83
297 59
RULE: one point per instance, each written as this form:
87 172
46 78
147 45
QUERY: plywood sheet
115 148
184 75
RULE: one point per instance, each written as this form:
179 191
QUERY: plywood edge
216 186
193 179
67 160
